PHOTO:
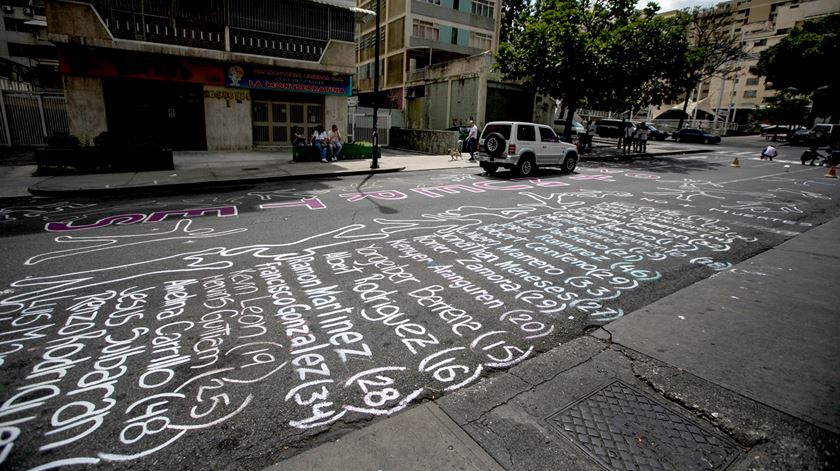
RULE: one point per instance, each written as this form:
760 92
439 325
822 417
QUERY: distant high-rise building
27 59
759 24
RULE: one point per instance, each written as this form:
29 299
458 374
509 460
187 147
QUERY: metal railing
28 118
291 29
360 126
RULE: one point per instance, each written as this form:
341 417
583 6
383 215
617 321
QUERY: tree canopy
712 49
602 53
801 62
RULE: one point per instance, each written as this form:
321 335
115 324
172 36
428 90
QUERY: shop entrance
171 114
274 119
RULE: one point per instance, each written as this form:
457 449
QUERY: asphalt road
234 328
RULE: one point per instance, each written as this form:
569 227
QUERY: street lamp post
375 158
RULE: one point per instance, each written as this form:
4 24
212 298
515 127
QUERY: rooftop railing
292 29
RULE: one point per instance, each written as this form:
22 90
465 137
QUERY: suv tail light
511 149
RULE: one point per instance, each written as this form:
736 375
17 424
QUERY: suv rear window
503 129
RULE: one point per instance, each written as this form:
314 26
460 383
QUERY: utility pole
375 157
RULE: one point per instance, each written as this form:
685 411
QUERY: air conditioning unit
8 9
28 12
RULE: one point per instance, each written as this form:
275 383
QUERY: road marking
764 176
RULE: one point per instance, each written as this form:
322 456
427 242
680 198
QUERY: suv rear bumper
503 160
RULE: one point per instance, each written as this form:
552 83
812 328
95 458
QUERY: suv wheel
494 144
569 164
526 166
489 168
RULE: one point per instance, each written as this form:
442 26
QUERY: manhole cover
623 429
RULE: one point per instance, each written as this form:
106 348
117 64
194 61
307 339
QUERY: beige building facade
417 36
225 75
759 24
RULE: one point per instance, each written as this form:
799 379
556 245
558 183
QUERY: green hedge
348 152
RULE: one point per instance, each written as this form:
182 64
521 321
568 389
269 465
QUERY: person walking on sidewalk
621 133
628 138
472 140
769 152
643 138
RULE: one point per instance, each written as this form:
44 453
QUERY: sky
668 5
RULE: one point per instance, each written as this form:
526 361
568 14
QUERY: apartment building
27 59
759 24
216 74
417 34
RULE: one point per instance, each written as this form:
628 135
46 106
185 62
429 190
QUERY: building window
749 93
481 41
433 2
425 30
752 81
454 39
760 42
482 8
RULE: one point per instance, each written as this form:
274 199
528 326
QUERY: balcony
291 29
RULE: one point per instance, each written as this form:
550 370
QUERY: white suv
523 147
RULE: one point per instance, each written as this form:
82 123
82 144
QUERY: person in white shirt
319 141
628 138
472 140
334 138
643 137
769 152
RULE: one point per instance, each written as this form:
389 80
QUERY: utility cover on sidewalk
622 428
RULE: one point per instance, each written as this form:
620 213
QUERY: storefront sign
258 78
138 66
227 94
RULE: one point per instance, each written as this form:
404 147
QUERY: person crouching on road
769 152
334 137
319 141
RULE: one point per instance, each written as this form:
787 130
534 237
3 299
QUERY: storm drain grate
623 429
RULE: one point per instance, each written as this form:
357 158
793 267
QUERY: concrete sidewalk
214 169
716 376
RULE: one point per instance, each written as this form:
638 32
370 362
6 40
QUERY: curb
646 155
174 187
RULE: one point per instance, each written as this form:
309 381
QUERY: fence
360 126
27 118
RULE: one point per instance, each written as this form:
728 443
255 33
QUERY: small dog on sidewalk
455 152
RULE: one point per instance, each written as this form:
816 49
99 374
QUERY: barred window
752 81
483 7
425 30
481 41
749 93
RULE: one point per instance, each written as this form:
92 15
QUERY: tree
511 11
801 61
786 107
713 50
599 52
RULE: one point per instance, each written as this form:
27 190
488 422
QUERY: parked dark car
609 127
695 135
653 133
779 132
820 135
